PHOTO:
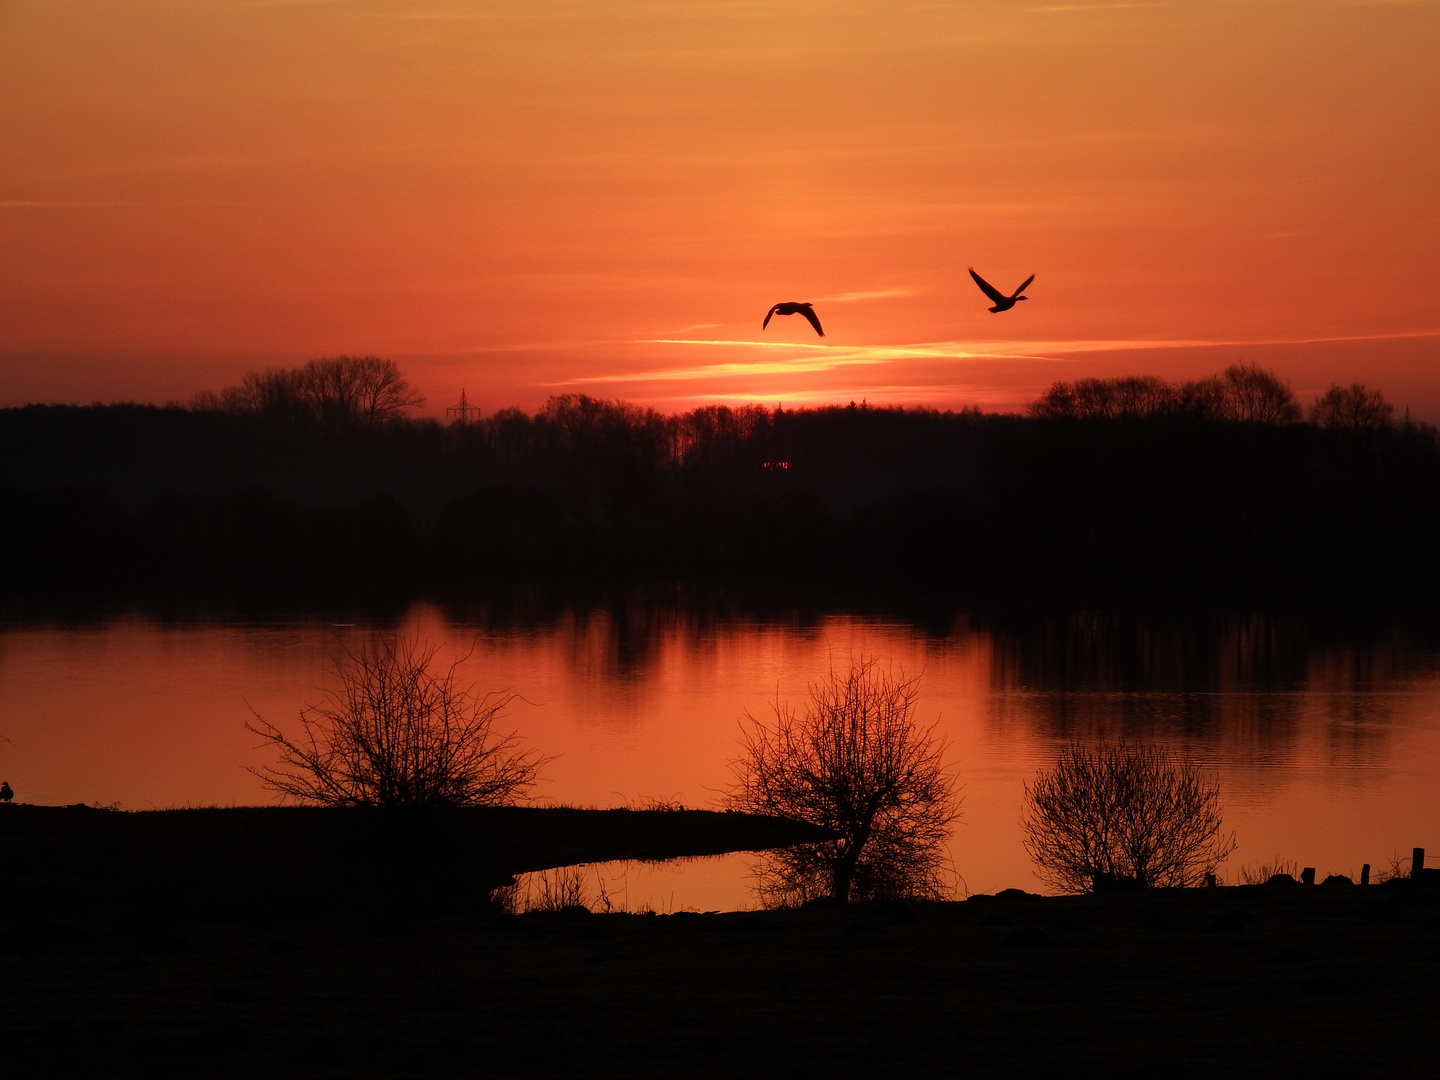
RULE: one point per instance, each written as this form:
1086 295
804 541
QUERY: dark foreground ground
230 862
1224 982
1257 980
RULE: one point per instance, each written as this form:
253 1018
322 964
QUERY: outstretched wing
988 289
809 313
1023 287
767 316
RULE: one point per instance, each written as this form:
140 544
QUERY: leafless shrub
552 890
653 804
401 731
1123 815
564 887
506 899
1398 868
855 762
1260 873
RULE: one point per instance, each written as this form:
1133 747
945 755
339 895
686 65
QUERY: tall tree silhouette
335 393
1355 408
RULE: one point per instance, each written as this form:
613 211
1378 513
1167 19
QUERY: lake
1326 741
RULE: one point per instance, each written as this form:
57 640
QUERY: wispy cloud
877 294
1015 348
1398 335
831 358
807 358
69 202
1049 349
724 370
1120 5
745 344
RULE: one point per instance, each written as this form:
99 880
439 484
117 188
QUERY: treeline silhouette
1241 393
292 489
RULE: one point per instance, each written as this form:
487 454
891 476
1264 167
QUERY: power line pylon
464 412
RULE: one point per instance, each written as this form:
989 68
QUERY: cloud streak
47 203
877 294
805 358
723 370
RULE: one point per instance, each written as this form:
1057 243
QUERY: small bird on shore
6 791
1001 301
794 308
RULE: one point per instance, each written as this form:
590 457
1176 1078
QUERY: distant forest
314 486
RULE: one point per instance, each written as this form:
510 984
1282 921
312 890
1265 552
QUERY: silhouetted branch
857 763
1123 814
1354 408
399 733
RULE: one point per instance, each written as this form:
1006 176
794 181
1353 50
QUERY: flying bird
1002 302
794 308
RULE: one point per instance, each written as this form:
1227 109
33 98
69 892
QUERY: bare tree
1144 395
1059 402
1355 407
1241 392
363 390
336 393
1202 398
400 730
1123 815
273 394
1251 393
855 762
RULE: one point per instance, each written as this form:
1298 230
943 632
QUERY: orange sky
530 197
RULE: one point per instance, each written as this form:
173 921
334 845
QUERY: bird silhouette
6 792
1001 301
794 308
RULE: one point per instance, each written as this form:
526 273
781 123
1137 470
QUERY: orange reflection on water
1327 754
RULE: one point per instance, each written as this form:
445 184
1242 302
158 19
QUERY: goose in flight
794 308
1001 301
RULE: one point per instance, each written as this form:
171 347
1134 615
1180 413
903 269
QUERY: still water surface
1327 747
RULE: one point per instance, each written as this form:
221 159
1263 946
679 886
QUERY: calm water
1327 746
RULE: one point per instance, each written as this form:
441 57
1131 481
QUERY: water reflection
1242 689
1204 653
1325 739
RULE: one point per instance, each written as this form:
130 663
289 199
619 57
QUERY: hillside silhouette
1126 487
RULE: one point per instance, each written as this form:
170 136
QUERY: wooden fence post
1417 862
1307 876
1365 874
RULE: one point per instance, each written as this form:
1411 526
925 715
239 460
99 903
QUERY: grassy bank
1249 980
220 863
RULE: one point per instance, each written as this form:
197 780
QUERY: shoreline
180 950
217 861
1247 979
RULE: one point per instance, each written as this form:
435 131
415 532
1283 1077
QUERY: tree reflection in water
1325 739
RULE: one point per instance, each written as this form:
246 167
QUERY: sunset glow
541 197
1335 765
